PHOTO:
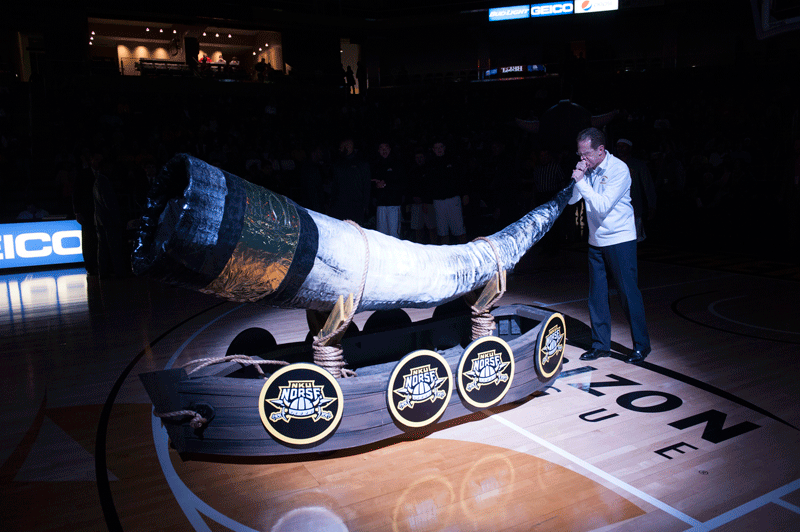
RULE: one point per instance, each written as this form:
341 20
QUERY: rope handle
197 420
241 359
482 319
331 357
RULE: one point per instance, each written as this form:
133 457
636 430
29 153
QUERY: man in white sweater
604 182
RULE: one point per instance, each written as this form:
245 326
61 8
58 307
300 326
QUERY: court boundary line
191 504
773 496
596 471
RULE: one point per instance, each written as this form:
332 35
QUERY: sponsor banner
301 404
513 71
552 9
40 244
509 13
595 6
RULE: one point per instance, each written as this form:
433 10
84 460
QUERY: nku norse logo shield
421 384
301 399
485 372
301 404
487 368
551 344
419 388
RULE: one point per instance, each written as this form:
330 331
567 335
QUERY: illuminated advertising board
595 6
551 9
509 13
40 244
514 71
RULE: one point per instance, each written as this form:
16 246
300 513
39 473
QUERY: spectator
389 188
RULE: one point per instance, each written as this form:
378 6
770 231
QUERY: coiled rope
330 357
198 420
482 319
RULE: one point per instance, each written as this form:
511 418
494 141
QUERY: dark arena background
95 97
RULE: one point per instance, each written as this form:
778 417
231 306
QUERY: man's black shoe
594 354
638 355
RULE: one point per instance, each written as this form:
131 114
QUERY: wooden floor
702 436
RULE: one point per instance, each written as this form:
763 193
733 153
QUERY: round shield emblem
485 372
550 347
420 388
301 404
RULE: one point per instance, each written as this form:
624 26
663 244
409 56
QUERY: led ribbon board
509 13
595 6
40 244
550 9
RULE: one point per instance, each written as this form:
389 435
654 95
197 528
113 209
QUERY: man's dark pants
619 262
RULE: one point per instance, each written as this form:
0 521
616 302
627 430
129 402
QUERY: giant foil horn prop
208 230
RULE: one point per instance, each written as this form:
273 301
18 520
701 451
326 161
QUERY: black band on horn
191 224
302 262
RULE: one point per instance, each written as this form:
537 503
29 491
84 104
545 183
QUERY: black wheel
385 319
253 342
454 307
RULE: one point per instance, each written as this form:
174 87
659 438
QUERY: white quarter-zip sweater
607 191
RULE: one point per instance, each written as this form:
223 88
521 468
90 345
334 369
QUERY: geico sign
37 245
558 8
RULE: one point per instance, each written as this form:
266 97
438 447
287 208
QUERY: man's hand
579 171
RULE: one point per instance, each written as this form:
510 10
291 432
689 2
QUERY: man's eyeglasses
587 153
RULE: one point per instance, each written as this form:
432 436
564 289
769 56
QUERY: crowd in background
724 158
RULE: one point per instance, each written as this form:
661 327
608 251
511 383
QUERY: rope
330 357
482 319
241 359
197 420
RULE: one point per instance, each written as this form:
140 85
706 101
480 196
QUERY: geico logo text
35 245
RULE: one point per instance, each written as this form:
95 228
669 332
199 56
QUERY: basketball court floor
704 435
